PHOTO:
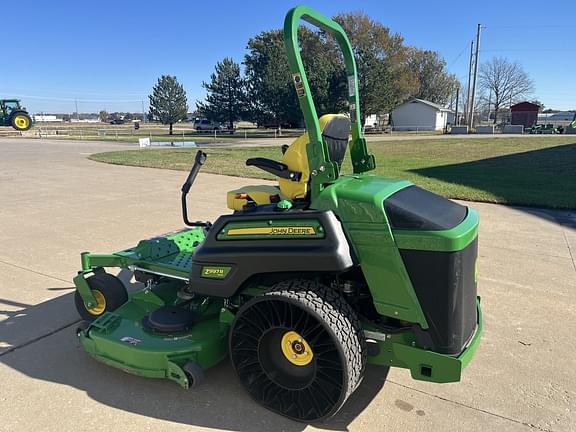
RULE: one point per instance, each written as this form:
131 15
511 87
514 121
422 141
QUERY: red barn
525 113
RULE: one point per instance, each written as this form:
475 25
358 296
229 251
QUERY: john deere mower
13 114
304 283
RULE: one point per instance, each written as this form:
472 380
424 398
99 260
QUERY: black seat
335 136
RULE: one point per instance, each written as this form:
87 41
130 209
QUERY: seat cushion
259 193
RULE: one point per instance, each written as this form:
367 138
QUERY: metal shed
525 114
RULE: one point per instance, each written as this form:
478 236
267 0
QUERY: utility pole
475 75
77 115
143 115
456 122
489 103
467 104
511 93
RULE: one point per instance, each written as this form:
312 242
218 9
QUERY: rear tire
299 350
110 294
21 121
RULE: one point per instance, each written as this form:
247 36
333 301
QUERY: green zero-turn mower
304 283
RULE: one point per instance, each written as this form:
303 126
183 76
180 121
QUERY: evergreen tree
268 79
168 102
269 82
226 98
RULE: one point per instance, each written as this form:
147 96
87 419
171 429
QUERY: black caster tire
110 294
299 350
194 373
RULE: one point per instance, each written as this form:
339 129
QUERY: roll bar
318 156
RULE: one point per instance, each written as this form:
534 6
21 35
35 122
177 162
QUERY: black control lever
198 162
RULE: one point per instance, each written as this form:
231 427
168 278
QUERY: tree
269 82
168 101
435 84
384 78
267 78
539 103
506 81
388 72
103 116
226 98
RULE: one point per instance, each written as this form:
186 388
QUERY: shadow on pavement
527 178
43 346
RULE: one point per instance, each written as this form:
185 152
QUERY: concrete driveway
54 203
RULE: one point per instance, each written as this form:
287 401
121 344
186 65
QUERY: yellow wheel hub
21 122
100 303
296 349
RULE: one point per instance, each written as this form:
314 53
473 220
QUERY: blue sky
108 55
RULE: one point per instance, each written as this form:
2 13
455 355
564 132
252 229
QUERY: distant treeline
389 72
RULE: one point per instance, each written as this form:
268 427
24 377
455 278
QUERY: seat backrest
335 132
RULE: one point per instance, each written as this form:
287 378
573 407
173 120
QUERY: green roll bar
323 170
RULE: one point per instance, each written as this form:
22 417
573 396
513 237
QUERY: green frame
323 170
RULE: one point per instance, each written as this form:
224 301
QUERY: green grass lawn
522 171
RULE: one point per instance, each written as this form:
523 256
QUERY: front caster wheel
299 350
109 292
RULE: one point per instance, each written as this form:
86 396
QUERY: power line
458 56
74 93
530 49
71 99
531 26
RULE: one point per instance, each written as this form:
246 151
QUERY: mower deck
122 335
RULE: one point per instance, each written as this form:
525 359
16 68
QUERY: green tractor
13 114
303 284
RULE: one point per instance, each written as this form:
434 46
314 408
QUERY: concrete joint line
36 339
569 249
535 254
528 425
34 271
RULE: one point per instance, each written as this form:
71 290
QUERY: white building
561 116
417 114
376 121
46 118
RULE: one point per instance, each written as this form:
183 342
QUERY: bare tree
506 81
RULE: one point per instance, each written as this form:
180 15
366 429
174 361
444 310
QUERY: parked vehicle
206 125
13 114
